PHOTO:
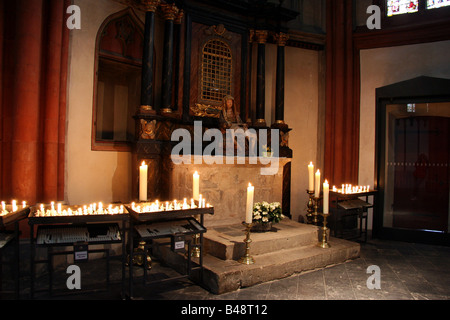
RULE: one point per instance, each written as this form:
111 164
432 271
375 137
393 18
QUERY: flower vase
262 227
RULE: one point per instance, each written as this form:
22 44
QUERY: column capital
170 11
281 38
251 35
179 16
261 36
151 5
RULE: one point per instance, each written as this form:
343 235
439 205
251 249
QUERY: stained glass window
432 4
395 7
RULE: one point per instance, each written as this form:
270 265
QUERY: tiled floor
408 272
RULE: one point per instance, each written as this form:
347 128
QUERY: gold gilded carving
284 139
218 30
281 39
251 35
261 36
204 110
148 129
179 17
151 5
170 11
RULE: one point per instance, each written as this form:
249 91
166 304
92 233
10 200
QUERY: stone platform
289 248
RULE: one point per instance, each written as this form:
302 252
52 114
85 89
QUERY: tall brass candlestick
316 214
324 243
310 206
247 258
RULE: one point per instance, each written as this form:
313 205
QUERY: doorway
413 161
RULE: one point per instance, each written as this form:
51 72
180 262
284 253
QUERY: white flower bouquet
264 212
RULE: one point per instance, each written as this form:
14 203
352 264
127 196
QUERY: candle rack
48 214
166 214
247 258
51 219
9 216
144 219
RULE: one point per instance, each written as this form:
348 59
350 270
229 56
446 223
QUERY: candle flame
249 184
143 163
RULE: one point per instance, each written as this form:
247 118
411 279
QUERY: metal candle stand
247 258
324 243
312 217
310 206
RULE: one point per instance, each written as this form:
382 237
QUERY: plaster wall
93 176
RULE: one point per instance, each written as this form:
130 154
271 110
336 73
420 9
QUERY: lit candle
317 189
311 176
14 205
143 169
326 189
195 185
3 206
249 212
24 204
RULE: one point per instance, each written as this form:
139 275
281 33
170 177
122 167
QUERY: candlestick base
247 258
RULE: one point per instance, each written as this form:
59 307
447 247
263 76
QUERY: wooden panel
200 34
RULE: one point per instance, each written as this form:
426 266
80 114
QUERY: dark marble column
177 52
170 12
147 98
280 39
261 38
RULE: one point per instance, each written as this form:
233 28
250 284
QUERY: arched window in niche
117 84
216 71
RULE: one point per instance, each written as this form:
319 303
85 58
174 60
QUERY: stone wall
225 186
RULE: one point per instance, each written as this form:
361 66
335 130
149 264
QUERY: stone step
281 259
227 242
221 276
